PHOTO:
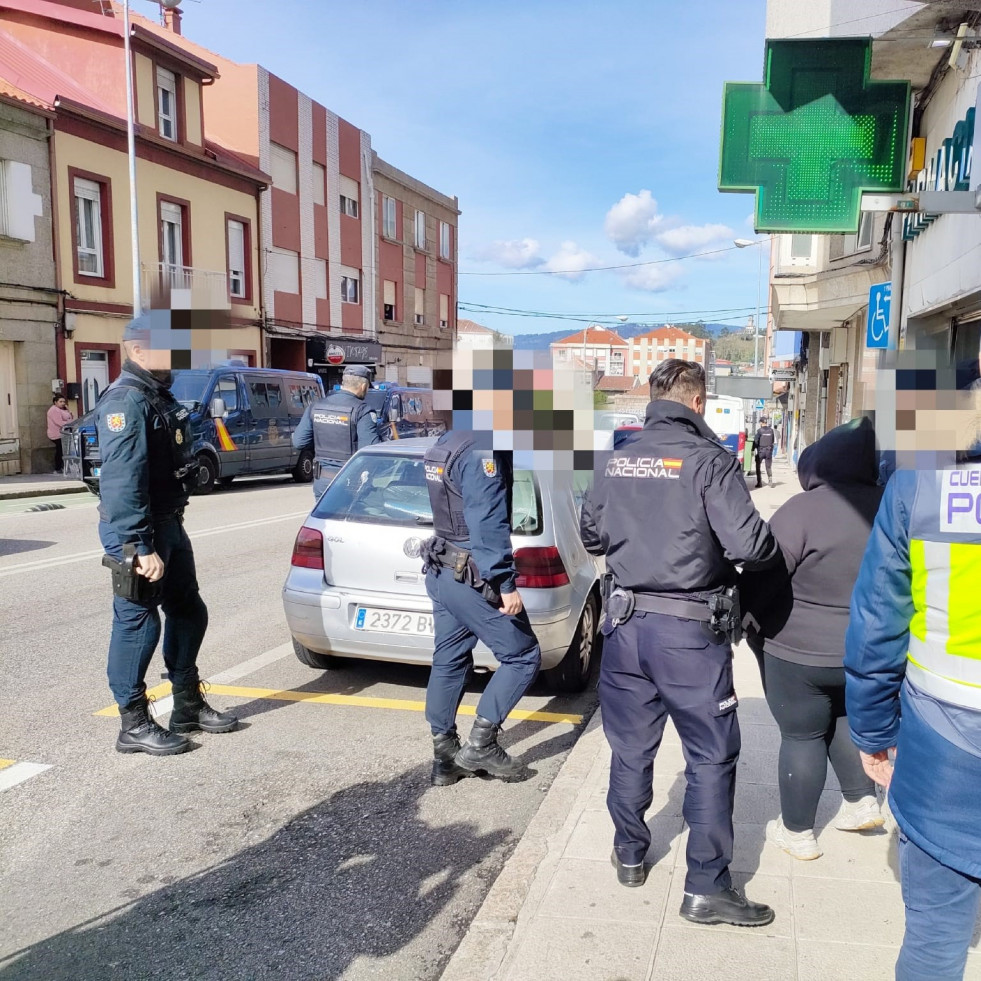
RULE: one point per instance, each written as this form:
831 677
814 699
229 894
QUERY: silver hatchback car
355 586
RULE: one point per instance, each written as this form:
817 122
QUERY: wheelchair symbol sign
877 328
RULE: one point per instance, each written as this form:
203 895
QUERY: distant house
617 384
474 337
598 349
648 350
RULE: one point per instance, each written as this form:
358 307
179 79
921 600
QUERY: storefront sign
337 351
815 136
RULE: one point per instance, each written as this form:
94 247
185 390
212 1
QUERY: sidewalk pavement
38 485
557 912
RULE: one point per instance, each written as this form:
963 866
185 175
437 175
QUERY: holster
726 616
127 582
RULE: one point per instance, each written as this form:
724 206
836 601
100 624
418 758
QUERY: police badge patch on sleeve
490 467
116 422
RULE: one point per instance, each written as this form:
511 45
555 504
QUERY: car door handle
412 577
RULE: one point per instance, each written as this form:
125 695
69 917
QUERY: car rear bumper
323 622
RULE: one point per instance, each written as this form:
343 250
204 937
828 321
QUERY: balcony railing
184 287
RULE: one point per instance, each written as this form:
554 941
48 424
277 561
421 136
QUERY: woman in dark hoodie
797 612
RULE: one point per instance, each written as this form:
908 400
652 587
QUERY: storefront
328 356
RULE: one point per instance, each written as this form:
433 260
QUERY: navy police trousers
461 617
653 667
136 626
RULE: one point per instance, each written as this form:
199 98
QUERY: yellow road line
160 691
361 701
5 763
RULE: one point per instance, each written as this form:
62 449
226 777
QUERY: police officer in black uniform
671 512
763 444
335 426
147 473
470 577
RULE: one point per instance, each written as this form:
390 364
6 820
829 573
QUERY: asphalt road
306 845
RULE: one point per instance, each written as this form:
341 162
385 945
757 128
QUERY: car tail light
308 549
742 447
540 568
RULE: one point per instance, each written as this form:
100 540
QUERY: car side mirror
393 413
218 408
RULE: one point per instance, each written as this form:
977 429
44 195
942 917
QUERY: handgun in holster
726 616
126 581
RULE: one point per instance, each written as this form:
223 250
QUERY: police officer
335 426
147 473
470 577
763 443
671 512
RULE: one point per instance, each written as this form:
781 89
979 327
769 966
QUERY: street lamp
745 243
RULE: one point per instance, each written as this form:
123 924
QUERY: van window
301 394
257 396
227 391
274 396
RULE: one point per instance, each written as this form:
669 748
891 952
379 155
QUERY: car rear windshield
390 489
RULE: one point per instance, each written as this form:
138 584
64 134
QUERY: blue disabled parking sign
877 327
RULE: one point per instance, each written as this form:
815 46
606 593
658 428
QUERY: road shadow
358 875
12 546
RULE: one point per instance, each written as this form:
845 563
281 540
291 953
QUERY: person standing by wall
763 443
58 416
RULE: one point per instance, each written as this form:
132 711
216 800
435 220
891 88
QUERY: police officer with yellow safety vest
670 510
913 694
471 579
148 471
337 425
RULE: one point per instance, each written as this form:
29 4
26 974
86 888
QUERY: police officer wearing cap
671 512
338 425
147 472
470 577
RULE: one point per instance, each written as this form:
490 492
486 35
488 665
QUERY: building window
801 248
861 242
420 304
167 104
445 247
88 228
171 235
237 258
350 193
283 270
420 228
319 184
282 166
350 286
388 217
444 310
388 299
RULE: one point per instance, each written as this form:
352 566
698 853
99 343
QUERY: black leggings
809 706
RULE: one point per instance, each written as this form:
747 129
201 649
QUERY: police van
242 421
403 412
726 417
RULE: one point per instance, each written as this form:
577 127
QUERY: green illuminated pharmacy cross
814 137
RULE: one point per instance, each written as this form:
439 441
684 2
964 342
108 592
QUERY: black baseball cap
359 370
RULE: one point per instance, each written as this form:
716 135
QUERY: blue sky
574 133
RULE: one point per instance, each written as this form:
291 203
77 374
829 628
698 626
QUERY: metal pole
131 151
898 262
756 323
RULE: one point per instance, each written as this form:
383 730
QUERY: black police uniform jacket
341 423
145 442
670 509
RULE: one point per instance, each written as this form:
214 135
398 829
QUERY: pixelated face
179 339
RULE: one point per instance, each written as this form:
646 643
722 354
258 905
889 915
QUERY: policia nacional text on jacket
671 512
148 471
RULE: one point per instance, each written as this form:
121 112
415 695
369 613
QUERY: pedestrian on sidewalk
763 443
799 609
913 689
58 417
671 512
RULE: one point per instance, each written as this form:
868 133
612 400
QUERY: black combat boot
727 906
192 712
483 754
139 733
445 770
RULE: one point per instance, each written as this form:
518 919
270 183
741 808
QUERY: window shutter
388 288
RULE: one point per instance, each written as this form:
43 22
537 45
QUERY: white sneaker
801 845
862 815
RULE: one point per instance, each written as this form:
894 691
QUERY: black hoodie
802 606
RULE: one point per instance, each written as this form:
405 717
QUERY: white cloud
570 261
652 279
513 253
691 238
633 222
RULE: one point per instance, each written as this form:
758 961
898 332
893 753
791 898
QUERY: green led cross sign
814 136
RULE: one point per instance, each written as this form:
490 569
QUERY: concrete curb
6 495
517 893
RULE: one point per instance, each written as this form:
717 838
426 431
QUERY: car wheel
573 672
322 662
207 474
303 471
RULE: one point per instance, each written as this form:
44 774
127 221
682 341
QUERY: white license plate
393 622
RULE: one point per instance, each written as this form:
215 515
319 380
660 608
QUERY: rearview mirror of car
218 409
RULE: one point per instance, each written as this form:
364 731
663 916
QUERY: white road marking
12 775
161 706
12 570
